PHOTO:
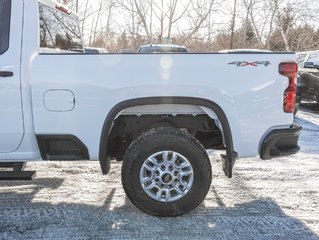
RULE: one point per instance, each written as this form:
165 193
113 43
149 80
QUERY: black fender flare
104 156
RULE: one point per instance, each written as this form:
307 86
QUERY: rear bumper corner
281 142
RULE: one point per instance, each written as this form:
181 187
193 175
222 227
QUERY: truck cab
52 30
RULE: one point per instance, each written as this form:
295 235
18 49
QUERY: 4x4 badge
253 64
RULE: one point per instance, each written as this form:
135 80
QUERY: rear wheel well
127 128
104 153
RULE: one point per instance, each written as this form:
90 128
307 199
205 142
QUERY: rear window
58 30
5 14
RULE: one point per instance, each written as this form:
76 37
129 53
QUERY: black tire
160 140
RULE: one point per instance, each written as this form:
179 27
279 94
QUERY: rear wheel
166 172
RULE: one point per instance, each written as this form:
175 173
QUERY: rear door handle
6 74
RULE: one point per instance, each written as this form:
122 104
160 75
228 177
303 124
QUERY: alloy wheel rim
166 176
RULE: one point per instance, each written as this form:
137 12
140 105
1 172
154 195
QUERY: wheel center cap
167 178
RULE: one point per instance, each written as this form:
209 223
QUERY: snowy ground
276 199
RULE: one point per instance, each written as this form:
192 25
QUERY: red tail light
290 70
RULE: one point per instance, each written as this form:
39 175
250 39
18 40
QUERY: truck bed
247 87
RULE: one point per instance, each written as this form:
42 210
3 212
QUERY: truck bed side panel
251 95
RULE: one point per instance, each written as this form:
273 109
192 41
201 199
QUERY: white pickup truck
158 113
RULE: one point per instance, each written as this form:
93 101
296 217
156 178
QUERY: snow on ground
275 199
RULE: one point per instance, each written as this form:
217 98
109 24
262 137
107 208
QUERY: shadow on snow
21 218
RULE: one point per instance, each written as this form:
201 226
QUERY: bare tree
238 23
233 25
197 14
254 9
142 9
